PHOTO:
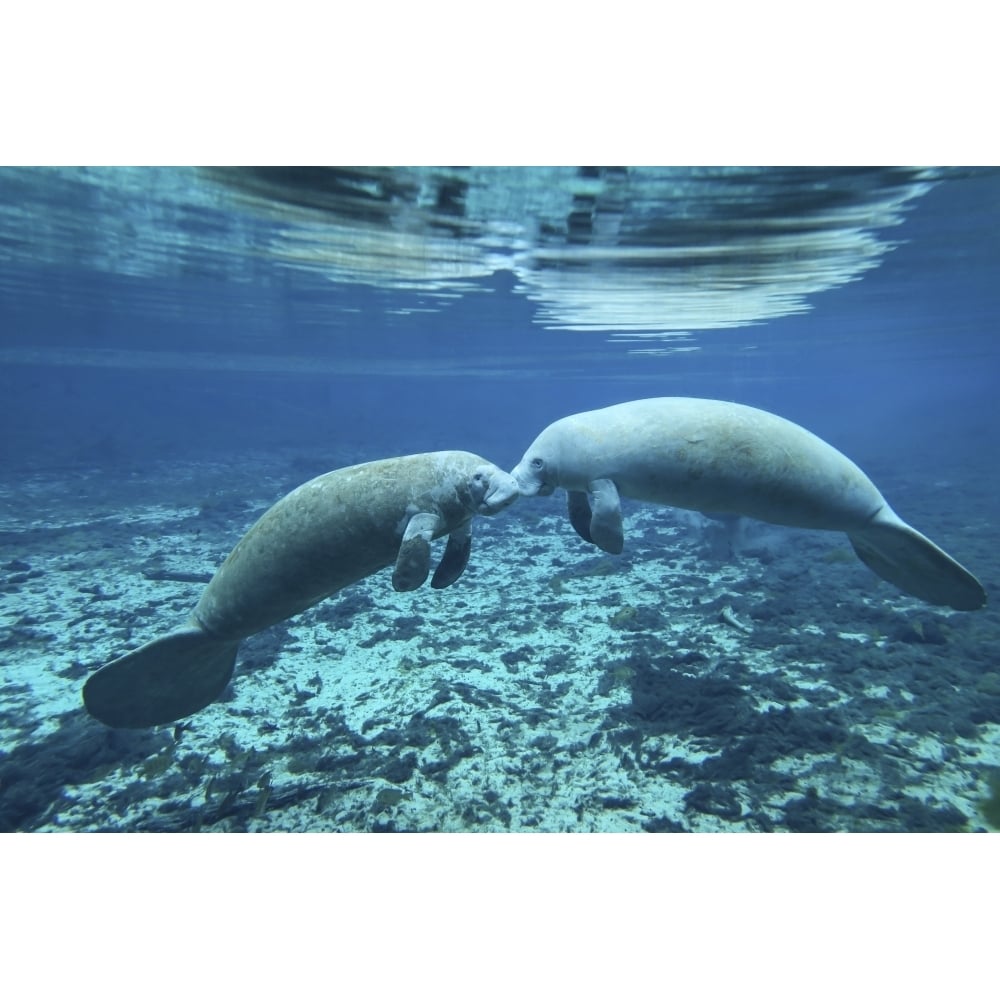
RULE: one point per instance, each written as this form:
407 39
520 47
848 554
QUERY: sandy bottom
708 679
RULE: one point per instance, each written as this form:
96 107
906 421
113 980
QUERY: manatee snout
500 490
530 478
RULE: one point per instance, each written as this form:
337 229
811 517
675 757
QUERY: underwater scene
499 499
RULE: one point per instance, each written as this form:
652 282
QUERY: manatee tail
901 555
163 681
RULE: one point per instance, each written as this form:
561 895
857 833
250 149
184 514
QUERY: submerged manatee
329 532
725 458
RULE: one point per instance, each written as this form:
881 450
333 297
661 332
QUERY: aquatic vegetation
839 555
716 799
989 685
591 567
990 806
921 630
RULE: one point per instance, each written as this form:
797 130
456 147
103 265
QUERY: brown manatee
326 534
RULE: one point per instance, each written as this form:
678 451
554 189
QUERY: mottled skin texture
326 534
340 528
726 458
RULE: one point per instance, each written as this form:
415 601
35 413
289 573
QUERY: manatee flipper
606 516
413 563
163 681
911 561
579 513
597 516
455 558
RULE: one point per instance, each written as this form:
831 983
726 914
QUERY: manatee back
717 457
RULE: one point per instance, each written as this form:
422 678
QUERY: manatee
326 534
725 458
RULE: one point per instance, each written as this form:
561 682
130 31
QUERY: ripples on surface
653 253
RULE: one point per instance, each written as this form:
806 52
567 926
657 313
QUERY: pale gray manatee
326 534
726 458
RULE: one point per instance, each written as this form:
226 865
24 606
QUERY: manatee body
728 459
326 534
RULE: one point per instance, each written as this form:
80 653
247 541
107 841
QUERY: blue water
176 339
